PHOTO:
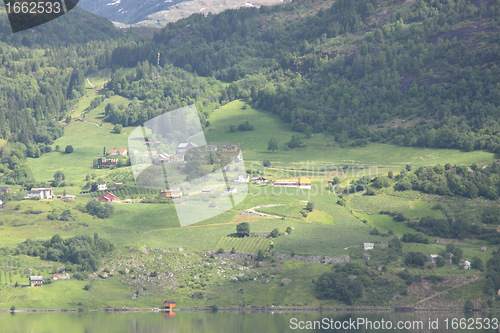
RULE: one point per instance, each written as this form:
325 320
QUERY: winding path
252 211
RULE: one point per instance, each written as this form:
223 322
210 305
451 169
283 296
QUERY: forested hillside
413 73
43 72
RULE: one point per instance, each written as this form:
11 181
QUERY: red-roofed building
151 153
108 197
116 152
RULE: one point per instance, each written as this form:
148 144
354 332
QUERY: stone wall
227 255
314 259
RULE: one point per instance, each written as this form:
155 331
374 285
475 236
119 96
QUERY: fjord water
221 322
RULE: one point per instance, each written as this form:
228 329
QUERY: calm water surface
229 322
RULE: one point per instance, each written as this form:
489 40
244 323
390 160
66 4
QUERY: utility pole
158 65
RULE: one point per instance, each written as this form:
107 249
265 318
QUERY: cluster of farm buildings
148 154
463 264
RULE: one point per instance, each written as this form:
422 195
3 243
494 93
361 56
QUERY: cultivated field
246 244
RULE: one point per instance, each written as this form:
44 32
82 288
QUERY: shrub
87 287
266 163
68 149
468 306
243 229
415 259
260 256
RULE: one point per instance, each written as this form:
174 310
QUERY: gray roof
36 278
184 145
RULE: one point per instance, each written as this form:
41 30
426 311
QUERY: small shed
365 256
465 264
168 305
484 248
55 277
433 258
368 246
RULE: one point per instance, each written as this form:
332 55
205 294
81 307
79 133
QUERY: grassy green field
247 244
79 163
321 149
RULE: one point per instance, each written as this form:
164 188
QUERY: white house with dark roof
368 246
465 264
210 148
229 191
177 158
241 178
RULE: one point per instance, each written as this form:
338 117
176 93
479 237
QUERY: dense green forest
43 72
351 67
83 252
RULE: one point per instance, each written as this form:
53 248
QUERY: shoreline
254 310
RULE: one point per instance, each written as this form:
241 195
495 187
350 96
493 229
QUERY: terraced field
246 244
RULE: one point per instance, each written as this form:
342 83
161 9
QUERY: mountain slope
156 13
76 27
417 74
126 11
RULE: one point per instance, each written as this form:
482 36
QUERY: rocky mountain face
126 11
156 13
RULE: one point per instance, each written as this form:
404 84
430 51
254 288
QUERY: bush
243 229
440 262
95 208
468 306
415 259
221 250
275 233
260 256
266 163
68 149
87 287
337 285
289 230
400 217
477 263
